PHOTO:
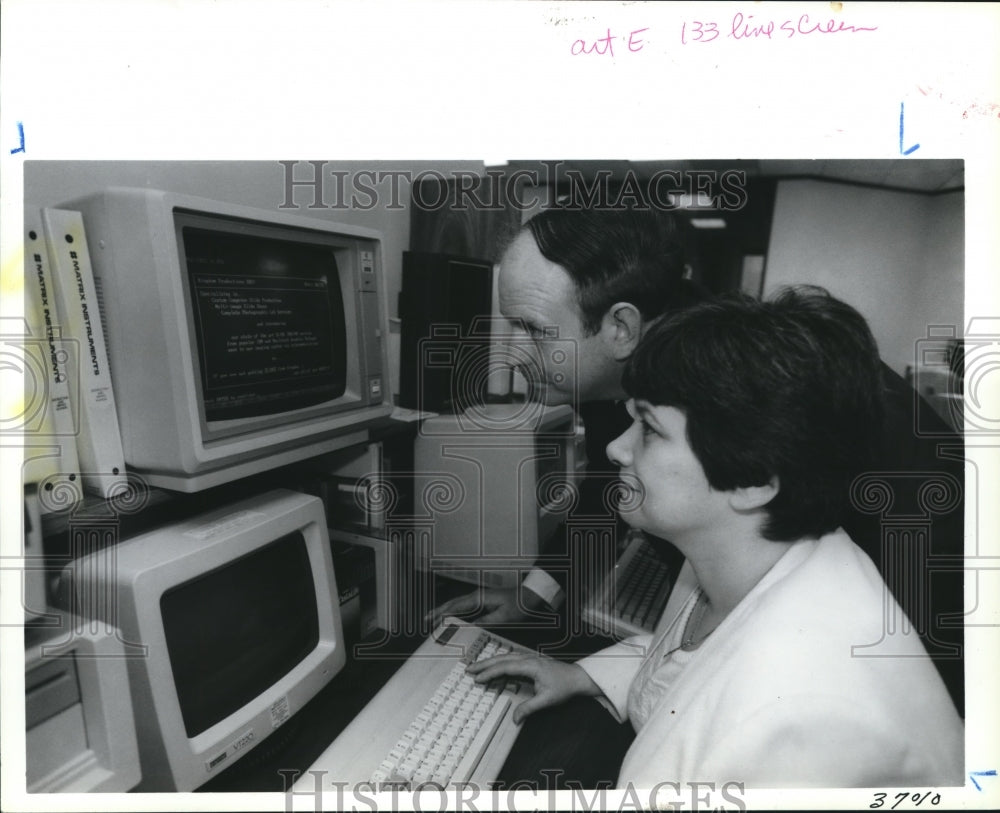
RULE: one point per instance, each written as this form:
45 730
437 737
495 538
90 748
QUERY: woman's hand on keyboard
554 681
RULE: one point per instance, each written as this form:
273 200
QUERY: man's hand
554 681
487 606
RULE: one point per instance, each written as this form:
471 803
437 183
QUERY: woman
751 420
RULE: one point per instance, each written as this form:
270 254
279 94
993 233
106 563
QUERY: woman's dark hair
790 387
622 255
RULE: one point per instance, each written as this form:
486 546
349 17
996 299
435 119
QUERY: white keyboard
633 595
430 723
438 745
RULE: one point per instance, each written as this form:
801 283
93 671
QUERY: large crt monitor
238 613
495 481
239 339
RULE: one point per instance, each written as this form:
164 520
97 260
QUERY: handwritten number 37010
881 799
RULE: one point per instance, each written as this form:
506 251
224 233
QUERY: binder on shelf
50 410
99 442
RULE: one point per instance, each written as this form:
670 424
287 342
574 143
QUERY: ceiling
921 175
717 254
916 175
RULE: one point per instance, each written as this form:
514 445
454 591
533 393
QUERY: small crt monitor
231 623
497 480
239 339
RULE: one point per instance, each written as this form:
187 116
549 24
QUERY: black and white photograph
522 483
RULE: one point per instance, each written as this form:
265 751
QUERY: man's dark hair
790 387
622 255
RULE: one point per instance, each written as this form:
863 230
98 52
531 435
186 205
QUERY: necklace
690 639
691 628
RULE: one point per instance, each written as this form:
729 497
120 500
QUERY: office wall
253 183
898 257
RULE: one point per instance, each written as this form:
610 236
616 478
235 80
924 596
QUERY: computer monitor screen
239 339
257 635
269 323
231 622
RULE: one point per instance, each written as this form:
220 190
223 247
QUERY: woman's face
669 489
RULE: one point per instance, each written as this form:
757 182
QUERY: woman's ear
622 326
750 498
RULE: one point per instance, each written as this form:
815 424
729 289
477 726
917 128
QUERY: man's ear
750 498
622 325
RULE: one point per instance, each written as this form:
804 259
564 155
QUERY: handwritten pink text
749 27
605 46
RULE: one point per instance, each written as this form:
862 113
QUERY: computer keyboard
633 595
439 744
431 723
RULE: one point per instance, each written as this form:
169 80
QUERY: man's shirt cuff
545 587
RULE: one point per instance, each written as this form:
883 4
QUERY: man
594 280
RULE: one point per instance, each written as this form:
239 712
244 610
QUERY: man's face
540 297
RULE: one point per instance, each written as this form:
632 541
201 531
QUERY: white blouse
666 660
